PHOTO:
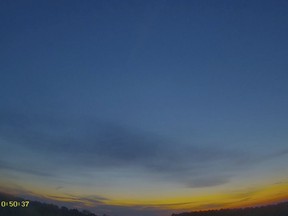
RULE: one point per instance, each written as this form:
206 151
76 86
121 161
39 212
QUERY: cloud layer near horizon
103 145
100 144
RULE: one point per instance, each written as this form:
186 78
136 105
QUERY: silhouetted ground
280 209
37 209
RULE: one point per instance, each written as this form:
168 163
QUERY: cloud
93 203
83 200
69 200
98 144
19 191
59 187
17 168
249 159
208 181
244 195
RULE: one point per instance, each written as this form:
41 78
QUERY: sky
144 107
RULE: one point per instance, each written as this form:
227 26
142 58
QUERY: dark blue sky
169 88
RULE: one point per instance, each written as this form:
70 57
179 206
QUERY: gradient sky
144 107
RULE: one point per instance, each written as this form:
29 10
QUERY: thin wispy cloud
102 145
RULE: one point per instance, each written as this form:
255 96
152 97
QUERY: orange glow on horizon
265 195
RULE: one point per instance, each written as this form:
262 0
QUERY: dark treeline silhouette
280 209
36 208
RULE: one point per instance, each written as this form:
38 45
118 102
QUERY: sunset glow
144 108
